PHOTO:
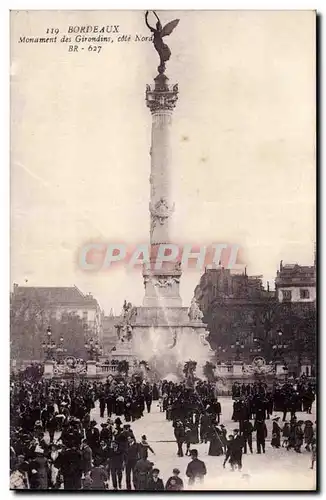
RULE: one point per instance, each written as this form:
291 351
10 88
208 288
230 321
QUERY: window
304 293
287 295
85 316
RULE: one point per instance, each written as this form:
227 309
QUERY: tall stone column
161 285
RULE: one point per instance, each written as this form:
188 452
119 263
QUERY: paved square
277 469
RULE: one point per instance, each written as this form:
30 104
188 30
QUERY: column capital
161 96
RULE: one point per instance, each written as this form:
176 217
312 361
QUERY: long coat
155 485
86 457
141 473
216 443
276 435
39 473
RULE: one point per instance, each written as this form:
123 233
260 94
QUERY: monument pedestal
48 368
237 369
167 338
91 368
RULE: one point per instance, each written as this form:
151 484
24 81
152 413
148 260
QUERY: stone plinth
237 368
48 368
169 336
222 370
305 369
91 368
279 370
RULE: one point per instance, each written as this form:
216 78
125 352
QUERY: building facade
61 301
236 308
109 335
295 283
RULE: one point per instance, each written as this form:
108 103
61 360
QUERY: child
285 434
160 403
174 483
144 447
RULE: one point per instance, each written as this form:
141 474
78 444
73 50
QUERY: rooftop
56 295
294 274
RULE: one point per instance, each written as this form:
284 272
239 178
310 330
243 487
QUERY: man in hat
148 396
102 402
174 483
131 458
261 435
247 430
39 471
196 469
69 462
116 464
109 399
93 436
87 456
237 446
179 433
106 433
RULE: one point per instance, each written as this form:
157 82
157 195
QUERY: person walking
86 457
144 447
247 431
179 433
215 441
196 469
132 457
98 476
116 465
261 435
141 473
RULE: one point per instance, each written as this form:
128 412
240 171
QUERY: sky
243 143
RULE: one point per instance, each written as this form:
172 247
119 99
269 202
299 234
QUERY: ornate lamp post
257 348
49 345
239 346
60 349
221 350
93 349
279 346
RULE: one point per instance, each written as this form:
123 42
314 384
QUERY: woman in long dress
215 441
276 434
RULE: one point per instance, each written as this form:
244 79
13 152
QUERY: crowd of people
55 443
196 415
